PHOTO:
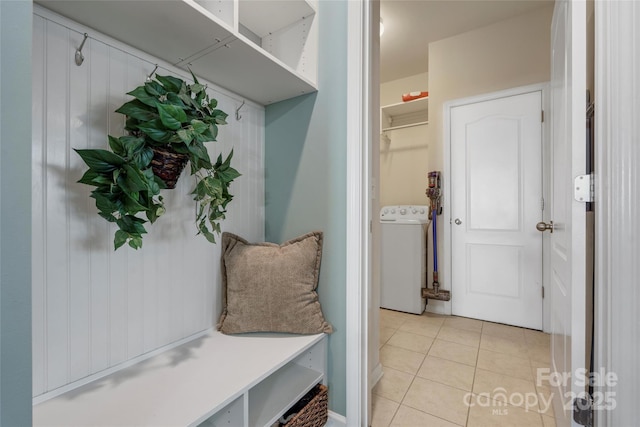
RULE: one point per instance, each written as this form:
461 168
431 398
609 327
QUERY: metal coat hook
238 116
79 55
150 75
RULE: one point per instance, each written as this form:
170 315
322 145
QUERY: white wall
94 308
404 153
509 54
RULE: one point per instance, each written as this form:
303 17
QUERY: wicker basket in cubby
315 412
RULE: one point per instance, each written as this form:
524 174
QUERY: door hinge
543 292
542 116
584 188
583 411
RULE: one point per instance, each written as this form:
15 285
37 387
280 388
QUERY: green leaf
199 126
132 225
170 83
229 174
116 146
199 151
204 137
130 197
131 204
135 179
155 130
138 110
137 225
105 206
141 94
227 161
132 144
154 88
178 100
196 88
120 238
131 124
220 116
151 215
154 183
102 161
185 135
197 102
160 182
186 99
135 242
171 116
143 158
202 229
89 177
213 131
195 79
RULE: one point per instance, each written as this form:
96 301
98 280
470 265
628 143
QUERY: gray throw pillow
271 288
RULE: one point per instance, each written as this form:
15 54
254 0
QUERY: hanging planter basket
168 165
167 117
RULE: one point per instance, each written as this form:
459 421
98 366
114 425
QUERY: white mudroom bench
213 380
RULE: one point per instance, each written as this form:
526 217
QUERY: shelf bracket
79 55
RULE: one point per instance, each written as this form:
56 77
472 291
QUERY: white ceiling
410 25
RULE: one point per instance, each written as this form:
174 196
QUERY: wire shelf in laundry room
404 114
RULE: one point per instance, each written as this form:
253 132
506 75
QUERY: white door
567 278
496 193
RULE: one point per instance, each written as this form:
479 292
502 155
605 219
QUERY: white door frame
358 266
617 203
445 307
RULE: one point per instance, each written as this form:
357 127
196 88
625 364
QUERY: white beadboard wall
94 308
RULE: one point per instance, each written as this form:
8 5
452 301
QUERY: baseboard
375 375
336 420
439 307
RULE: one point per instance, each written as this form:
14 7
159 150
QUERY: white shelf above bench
248 380
280 64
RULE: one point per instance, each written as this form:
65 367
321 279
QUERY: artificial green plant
165 113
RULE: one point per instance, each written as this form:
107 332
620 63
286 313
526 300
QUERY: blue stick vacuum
434 194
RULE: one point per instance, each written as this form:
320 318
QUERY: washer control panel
409 213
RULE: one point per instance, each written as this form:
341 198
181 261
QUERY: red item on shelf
414 95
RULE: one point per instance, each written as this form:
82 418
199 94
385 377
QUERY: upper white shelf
266 17
404 114
188 35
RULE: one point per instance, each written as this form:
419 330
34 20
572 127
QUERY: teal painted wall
305 179
15 213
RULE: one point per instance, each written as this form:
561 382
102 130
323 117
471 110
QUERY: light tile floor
453 371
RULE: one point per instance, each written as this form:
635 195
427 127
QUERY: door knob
457 221
543 226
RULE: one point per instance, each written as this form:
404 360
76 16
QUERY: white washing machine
404 257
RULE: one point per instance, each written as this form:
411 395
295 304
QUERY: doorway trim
446 187
360 24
